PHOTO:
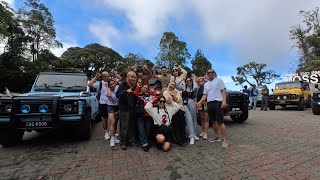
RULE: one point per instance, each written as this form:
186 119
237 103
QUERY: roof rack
67 70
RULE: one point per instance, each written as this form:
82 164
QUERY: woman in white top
113 108
162 116
178 76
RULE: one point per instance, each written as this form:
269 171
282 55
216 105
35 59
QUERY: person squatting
161 113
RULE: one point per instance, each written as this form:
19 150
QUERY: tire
240 118
272 106
85 126
315 110
301 105
308 104
10 137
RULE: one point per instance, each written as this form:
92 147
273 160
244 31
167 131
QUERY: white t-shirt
103 95
113 100
162 117
213 89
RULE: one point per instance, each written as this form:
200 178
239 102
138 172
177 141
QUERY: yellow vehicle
291 93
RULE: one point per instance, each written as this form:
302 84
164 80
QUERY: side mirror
271 90
316 86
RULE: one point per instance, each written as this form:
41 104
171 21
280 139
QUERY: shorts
167 132
113 109
103 108
215 112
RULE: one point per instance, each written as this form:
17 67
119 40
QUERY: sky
230 33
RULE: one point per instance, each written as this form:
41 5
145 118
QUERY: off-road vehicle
291 93
57 100
237 106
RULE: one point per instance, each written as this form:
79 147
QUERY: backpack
99 92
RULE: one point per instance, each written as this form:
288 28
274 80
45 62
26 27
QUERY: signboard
311 77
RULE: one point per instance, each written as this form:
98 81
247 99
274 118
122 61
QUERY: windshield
288 85
66 82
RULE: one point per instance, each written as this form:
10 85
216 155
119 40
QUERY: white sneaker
191 141
225 144
116 140
117 135
201 134
216 139
112 143
205 136
106 135
196 138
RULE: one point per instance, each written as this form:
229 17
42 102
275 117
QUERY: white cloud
104 32
254 29
10 2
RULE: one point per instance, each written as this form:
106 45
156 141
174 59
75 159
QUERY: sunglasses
210 72
162 101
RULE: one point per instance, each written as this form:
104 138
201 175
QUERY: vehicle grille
34 105
235 100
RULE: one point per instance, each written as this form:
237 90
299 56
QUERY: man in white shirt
101 87
216 96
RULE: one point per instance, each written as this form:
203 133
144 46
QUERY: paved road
280 144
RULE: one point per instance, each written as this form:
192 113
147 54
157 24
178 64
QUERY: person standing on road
216 96
203 114
253 97
101 87
265 98
127 104
246 90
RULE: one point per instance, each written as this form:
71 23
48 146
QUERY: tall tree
307 39
173 52
255 71
39 26
200 64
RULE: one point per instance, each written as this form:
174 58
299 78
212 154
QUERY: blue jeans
253 99
144 127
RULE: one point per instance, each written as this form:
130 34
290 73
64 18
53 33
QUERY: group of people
160 116
253 92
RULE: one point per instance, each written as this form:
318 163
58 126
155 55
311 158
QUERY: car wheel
308 104
10 137
240 118
315 110
301 105
85 126
272 106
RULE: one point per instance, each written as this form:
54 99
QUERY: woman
144 121
113 108
188 96
178 78
203 114
162 116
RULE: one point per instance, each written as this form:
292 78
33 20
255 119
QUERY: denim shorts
113 109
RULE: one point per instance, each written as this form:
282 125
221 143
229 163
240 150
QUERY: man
253 97
178 119
216 96
164 77
127 104
101 87
246 90
265 98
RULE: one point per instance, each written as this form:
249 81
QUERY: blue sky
230 33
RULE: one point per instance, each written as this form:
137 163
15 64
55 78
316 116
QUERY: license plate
235 109
36 124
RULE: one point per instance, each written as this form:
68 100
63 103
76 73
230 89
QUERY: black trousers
127 127
178 124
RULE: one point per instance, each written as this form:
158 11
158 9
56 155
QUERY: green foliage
307 39
200 64
254 71
173 52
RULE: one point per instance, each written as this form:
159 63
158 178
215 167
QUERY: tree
173 52
200 64
308 40
93 55
38 24
254 71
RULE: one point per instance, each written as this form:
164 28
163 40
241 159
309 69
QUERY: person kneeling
161 116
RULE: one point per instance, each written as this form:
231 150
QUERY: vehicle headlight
67 107
8 108
278 97
284 97
319 95
293 96
25 108
43 108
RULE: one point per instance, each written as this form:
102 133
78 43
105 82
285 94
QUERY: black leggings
178 124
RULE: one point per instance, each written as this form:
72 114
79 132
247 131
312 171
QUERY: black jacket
127 101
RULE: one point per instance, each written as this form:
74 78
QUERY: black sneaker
145 148
123 147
